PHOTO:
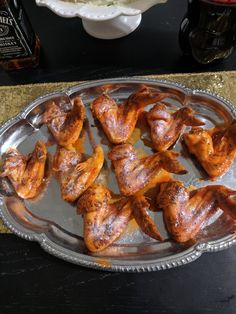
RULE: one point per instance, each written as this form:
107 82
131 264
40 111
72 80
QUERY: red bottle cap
224 1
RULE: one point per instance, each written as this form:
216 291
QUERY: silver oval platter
54 223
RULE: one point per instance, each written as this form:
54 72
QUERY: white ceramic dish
104 22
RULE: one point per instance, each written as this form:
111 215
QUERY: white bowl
105 22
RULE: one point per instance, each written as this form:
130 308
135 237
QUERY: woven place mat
15 98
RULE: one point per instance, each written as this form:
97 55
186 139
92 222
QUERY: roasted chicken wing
74 174
167 127
185 211
26 173
134 173
65 125
118 121
104 220
141 207
215 149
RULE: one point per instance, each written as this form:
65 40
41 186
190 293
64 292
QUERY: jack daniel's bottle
19 46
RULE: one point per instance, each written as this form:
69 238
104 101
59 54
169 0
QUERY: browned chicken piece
74 174
167 127
185 212
26 173
140 212
104 220
134 173
64 125
118 121
214 149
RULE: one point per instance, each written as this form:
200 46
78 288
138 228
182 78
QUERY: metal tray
54 223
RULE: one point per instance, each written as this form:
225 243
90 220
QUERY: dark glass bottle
208 30
19 46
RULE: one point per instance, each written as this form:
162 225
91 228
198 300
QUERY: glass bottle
208 30
19 45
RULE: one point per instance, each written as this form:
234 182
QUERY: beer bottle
19 45
208 30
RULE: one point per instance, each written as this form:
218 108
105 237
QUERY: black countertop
32 281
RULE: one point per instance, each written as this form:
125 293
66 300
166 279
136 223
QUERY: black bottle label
13 43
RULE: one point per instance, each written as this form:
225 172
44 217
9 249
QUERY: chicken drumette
26 173
118 121
134 173
74 174
104 219
215 149
166 127
65 125
185 211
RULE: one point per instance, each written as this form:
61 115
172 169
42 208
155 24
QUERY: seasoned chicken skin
75 175
141 207
134 173
214 149
65 126
185 211
167 127
26 173
104 220
118 121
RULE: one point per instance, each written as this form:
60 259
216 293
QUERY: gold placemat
14 98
